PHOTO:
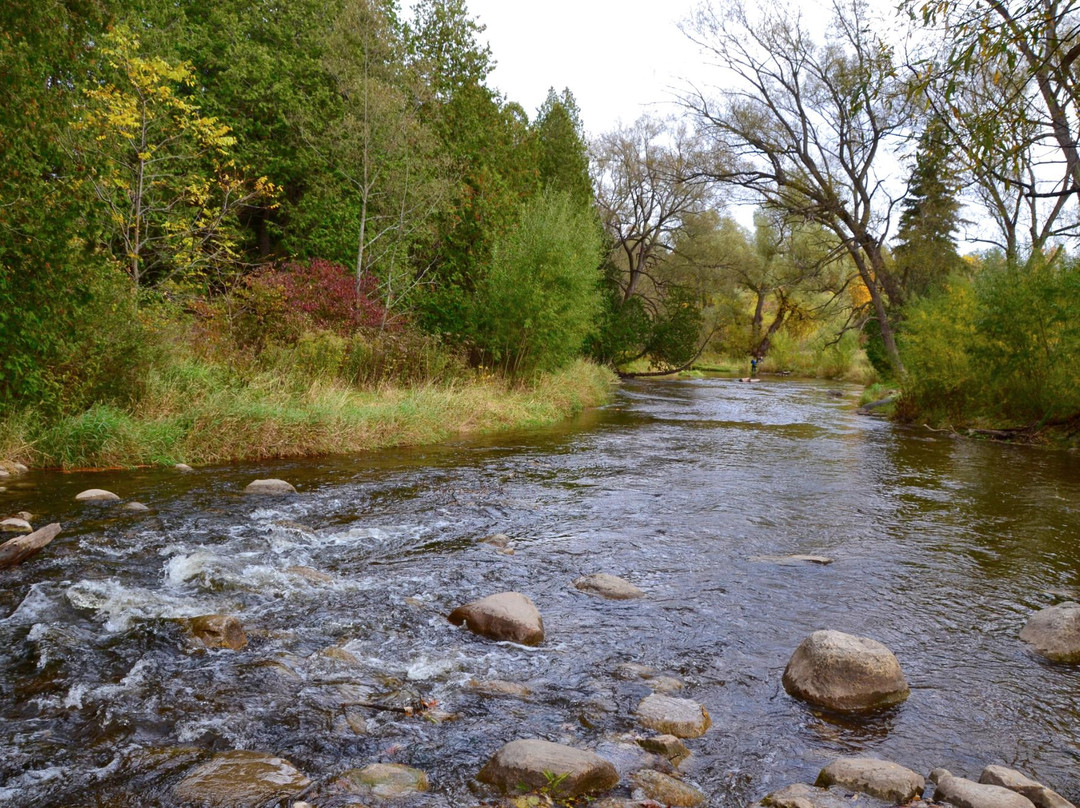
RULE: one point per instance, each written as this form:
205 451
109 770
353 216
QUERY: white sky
619 58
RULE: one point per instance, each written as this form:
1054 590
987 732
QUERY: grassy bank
198 413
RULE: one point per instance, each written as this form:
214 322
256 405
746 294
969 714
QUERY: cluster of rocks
890 783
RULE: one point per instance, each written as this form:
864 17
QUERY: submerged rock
499 688
664 684
269 488
536 764
217 631
968 794
801 795
183 467
135 507
241 778
634 670
682 718
794 560
1013 780
878 778
386 780
844 672
96 495
667 790
505 616
1054 632
608 586
667 746
15 525
500 540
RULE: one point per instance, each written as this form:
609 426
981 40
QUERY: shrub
540 297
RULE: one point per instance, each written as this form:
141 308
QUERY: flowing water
942 549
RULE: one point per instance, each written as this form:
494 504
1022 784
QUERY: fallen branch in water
418 707
17 550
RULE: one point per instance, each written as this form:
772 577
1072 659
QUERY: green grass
199 414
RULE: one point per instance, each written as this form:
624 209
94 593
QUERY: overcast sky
619 57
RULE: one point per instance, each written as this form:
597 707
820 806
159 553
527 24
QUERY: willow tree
807 128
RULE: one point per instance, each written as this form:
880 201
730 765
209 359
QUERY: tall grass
198 413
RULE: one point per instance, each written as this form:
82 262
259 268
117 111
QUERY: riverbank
192 417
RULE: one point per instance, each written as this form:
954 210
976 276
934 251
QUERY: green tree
563 153
539 300
926 252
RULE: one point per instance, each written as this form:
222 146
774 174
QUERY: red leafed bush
322 294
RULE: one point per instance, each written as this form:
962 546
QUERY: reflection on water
942 548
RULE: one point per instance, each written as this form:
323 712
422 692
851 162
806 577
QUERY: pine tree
564 158
926 249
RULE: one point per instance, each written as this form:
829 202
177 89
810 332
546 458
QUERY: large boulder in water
241 778
843 672
269 488
505 616
96 495
682 718
1054 632
535 764
969 794
878 778
1013 780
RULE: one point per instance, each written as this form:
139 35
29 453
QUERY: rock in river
15 525
1054 632
607 586
217 631
241 778
96 495
667 790
505 616
878 778
269 487
682 718
969 794
844 672
537 764
386 780
1013 780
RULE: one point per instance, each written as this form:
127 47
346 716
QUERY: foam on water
120 605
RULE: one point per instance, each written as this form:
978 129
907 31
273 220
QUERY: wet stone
533 764
135 507
269 487
846 673
500 540
965 793
1054 632
878 778
384 780
96 495
500 688
15 525
667 790
217 631
667 746
682 718
800 795
608 586
505 616
633 670
241 778
1013 780
794 560
665 684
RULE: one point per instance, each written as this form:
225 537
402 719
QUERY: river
942 548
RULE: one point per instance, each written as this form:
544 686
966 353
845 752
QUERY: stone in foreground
14 524
1013 780
505 616
96 495
269 488
241 778
536 764
878 778
1054 632
801 795
667 790
667 746
969 794
607 586
682 718
217 631
846 673
385 780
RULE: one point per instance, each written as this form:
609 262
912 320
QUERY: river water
942 549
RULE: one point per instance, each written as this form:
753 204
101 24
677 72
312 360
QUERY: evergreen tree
564 157
926 250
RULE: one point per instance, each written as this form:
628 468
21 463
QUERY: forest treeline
208 209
